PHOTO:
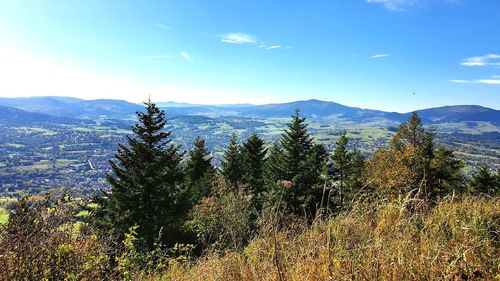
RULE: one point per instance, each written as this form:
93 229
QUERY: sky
393 55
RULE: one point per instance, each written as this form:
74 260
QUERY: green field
45 164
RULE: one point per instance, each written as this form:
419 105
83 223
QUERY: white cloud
273 47
238 38
494 80
490 81
186 56
459 81
395 5
379 56
486 60
402 5
162 26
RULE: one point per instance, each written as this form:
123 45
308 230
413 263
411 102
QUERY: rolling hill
73 107
78 108
16 117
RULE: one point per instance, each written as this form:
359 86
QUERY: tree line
169 200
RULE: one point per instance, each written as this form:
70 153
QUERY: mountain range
59 109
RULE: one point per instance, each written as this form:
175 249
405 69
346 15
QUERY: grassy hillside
457 240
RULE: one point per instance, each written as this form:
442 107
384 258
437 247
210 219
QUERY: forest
287 210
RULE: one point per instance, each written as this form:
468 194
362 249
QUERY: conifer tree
232 162
302 165
413 163
254 159
199 171
340 166
345 168
199 162
145 182
485 182
296 143
274 170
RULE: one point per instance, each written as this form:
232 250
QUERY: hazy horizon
247 104
365 53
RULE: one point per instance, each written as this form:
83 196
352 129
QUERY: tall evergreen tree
345 168
232 162
302 165
254 159
199 162
340 166
274 170
145 181
444 176
297 144
199 171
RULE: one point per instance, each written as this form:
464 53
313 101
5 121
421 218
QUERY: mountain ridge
312 108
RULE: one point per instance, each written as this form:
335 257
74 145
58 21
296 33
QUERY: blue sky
366 53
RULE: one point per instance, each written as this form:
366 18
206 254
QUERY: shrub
42 241
456 240
223 219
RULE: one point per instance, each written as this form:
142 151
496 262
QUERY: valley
40 153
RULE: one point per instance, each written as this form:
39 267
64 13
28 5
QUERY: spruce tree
345 169
296 143
199 171
254 159
302 166
274 170
340 166
232 162
485 182
145 182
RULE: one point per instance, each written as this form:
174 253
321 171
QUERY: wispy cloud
162 26
395 5
490 81
402 5
243 38
379 56
486 60
186 56
273 47
238 38
494 80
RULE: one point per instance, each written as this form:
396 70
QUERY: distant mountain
458 113
119 109
311 108
73 107
17 117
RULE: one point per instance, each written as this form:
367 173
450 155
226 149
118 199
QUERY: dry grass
456 240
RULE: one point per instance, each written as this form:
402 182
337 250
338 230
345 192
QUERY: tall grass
456 240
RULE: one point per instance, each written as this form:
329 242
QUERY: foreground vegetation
456 240
291 211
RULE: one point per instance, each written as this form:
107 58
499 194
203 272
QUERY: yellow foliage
455 240
391 170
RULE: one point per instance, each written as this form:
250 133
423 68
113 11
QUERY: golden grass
456 240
